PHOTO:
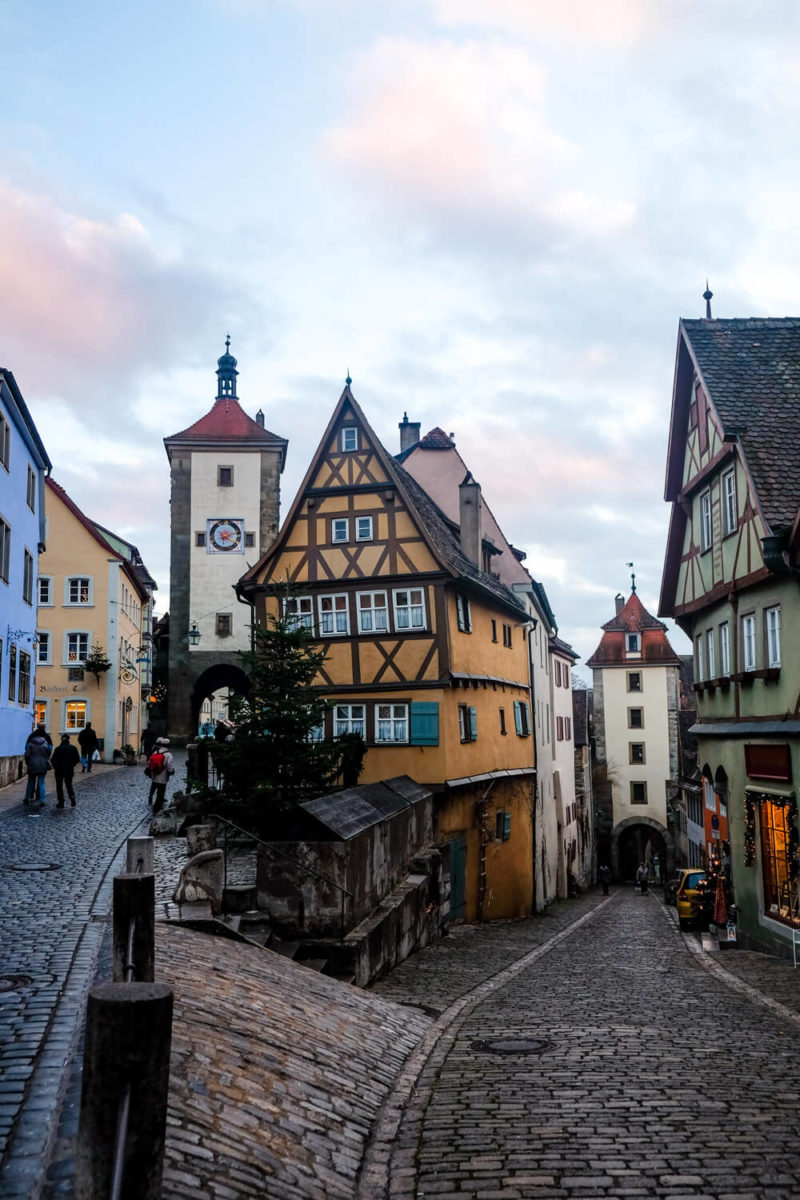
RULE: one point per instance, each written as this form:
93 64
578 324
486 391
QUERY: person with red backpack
161 766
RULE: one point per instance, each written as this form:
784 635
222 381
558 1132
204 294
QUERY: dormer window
349 439
633 643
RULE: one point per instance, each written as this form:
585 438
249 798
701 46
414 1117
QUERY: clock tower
225 501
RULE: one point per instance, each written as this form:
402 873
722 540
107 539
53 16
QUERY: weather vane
633 576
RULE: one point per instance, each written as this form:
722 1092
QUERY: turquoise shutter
473 724
518 717
425 724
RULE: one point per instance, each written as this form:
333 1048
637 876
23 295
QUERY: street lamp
194 634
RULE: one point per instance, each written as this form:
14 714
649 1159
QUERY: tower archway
641 839
214 679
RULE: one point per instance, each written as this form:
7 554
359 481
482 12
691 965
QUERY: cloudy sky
493 212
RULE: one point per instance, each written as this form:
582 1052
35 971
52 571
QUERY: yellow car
687 895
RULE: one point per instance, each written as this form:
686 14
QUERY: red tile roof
633 617
437 439
225 422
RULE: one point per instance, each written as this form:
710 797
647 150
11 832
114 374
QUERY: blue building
23 463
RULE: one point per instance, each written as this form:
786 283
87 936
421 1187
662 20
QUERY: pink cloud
611 24
459 135
84 301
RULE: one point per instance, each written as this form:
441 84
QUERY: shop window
780 890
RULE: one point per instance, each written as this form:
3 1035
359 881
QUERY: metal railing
308 871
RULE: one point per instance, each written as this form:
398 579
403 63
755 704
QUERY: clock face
225 535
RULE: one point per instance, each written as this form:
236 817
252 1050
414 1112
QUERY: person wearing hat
65 759
161 770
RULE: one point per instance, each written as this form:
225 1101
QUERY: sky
493 213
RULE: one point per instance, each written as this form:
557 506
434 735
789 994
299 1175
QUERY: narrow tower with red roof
636 702
225 501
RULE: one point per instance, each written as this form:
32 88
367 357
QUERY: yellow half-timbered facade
426 650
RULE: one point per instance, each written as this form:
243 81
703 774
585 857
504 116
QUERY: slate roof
446 539
751 370
352 810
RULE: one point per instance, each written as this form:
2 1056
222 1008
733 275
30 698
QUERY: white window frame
334 615
350 718
698 657
463 613
5 442
345 437
372 608
772 619
76 662
410 609
28 577
706 529
710 664
303 614
40 603
724 649
729 505
366 535
749 642
396 719
5 549
45 634
342 533
65 706
68 581
633 645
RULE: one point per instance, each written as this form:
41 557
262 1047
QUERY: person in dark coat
37 760
65 759
148 740
40 731
87 740
604 875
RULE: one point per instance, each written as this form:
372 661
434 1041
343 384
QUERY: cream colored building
636 700
89 594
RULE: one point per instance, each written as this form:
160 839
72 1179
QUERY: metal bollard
120 1151
140 850
134 928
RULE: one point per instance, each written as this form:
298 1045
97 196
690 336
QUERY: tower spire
707 294
633 577
226 373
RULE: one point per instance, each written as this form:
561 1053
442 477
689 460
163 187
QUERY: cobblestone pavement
650 1072
56 872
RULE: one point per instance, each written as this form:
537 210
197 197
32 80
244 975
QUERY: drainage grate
34 866
512 1046
10 983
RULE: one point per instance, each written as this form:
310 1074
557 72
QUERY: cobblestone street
645 1073
56 871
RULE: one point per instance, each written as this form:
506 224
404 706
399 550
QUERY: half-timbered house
731 582
427 653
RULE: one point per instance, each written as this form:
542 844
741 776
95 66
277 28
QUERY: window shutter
425 724
518 717
473 723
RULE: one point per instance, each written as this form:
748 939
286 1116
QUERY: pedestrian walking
87 740
37 761
604 875
642 879
65 759
39 731
149 739
161 771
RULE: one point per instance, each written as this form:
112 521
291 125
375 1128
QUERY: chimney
470 514
409 433
260 418
620 602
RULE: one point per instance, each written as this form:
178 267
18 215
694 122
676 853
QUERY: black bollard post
134 901
122 1129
